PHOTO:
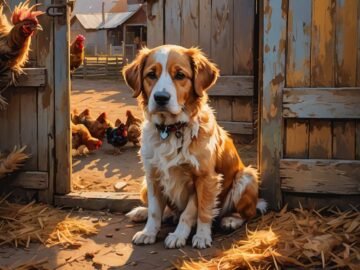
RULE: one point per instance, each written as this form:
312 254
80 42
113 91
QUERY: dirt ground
102 169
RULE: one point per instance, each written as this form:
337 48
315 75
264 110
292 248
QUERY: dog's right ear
132 72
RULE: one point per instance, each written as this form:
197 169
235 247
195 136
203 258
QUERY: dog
191 164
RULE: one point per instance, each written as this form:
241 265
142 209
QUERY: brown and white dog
191 164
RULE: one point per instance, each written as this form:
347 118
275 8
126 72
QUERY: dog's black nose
162 98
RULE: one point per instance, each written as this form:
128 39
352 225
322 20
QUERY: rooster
133 126
117 136
77 52
15 40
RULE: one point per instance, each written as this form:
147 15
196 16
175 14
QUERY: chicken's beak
39 28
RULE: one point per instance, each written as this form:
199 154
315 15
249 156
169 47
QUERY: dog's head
170 78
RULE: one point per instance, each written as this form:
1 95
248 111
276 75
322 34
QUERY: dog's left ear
132 72
205 72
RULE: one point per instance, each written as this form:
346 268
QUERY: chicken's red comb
23 12
80 38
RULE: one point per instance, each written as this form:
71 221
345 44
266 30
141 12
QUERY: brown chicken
97 127
15 40
133 126
77 52
82 136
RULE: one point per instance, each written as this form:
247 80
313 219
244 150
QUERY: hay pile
328 238
21 225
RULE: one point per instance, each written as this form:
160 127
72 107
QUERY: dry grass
21 225
328 238
29 265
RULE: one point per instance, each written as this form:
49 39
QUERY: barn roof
94 21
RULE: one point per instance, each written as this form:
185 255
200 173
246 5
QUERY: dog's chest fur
173 161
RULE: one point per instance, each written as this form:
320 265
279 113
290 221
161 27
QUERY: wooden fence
100 67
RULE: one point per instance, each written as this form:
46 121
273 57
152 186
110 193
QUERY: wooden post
62 104
274 14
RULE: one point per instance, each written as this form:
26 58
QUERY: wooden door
310 135
38 110
224 30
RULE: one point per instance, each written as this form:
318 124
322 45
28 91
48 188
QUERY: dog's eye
151 75
179 75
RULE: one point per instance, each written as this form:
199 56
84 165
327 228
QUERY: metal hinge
56 10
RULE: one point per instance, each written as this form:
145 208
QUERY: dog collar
165 130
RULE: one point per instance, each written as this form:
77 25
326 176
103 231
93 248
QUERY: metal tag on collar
164 133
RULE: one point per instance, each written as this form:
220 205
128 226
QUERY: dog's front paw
144 238
174 240
201 240
138 214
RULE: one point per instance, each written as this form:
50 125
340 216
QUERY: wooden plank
344 140
32 77
222 35
320 176
245 128
244 22
10 121
223 112
205 26
358 46
357 139
297 139
28 127
172 22
115 201
242 109
323 43
155 26
233 86
62 105
298 45
30 180
45 113
273 77
321 102
346 33
190 23
320 142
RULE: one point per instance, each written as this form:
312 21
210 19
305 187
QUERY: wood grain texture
320 142
323 43
205 26
321 102
28 127
45 113
10 122
297 139
114 201
173 10
31 180
298 45
190 23
223 109
155 27
233 86
320 176
244 22
358 46
32 77
222 35
273 78
62 106
245 128
344 140
357 140
346 33
242 109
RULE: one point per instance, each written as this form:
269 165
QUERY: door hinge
56 10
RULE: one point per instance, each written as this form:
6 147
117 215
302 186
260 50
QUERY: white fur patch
262 206
164 83
202 239
231 223
138 214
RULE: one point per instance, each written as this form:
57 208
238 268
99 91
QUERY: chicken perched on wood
15 40
77 52
133 125
97 127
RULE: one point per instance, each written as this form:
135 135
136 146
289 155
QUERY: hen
15 40
82 136
133 126
77 53
97 127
